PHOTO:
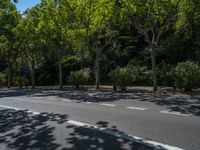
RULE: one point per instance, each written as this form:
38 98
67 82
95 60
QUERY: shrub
187 75
2 79
79 77
19 80
141 75
113 76
165 75
122 77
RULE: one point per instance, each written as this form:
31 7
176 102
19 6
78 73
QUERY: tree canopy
57 37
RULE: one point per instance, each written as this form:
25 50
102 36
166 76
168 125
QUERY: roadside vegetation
106 42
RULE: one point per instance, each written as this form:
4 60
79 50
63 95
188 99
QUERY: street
82 120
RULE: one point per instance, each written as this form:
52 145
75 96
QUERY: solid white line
77 123
174 113
157 144
9 107
15 108
105 104
108 131
121 135
136 108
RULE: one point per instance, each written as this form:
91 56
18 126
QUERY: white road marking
136 108
174 113
37 97
91 94
66 100
108 131
123 135
39 94
9 107
88 102
105 104
52 98
15 108
77 123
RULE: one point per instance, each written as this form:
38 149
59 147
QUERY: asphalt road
85 121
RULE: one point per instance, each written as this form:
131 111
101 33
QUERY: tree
99 14
151 18
9 44
31 47
55 23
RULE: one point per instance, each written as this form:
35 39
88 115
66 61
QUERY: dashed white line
174 113
105 104
38 97
38 94
136 108
108 131
66 100
88 102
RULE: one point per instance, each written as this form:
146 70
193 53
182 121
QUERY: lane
108 132
152 125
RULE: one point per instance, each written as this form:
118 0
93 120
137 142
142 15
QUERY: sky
22 5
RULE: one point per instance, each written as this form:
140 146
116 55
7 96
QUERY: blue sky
22 5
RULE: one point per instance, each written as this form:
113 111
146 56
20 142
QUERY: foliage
165 75
9 43
187 75
2 79
21 76
122 77
80 77
20 80
57 37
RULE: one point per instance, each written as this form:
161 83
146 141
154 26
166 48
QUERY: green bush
79 77
2 79
165 75
113 76
20 80
142 76
122 77
187 75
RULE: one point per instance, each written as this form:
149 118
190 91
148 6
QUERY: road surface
80 120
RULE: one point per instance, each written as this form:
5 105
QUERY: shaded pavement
21 130
181 103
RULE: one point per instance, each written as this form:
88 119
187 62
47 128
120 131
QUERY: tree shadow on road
181 103
87 139
20 130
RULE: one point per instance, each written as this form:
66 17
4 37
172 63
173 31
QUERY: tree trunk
153 61
97 65
9 75
33 73
60 71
